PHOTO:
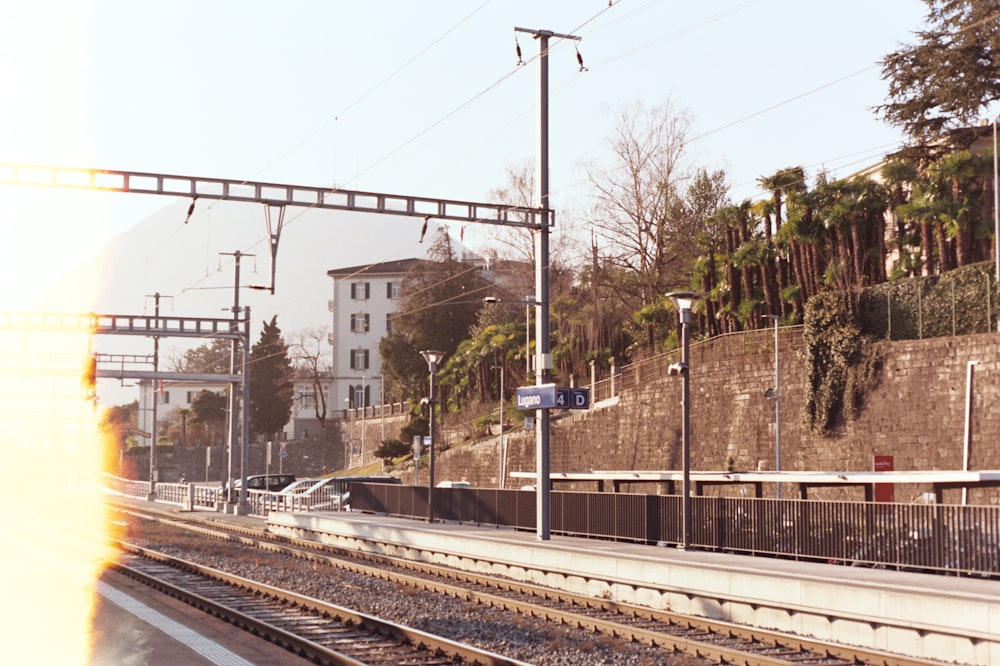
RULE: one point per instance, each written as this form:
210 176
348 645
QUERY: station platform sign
548 396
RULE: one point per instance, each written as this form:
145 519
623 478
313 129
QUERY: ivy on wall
843 364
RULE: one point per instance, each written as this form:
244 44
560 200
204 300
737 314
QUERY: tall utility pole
233 398
156 391
543 364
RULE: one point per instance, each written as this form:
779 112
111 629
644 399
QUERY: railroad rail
714 640
315 630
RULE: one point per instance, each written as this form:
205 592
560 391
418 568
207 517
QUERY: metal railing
213 498
935 538
642 372
962 540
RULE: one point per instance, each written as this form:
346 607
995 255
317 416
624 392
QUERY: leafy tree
418 426
117 421
438 305
211 358
209 409
949 74
392 448
271 387
705 198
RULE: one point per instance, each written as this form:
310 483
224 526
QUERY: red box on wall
883 491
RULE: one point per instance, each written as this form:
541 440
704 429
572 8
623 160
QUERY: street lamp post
528 302
432 357
683 301
996 209
776 396
503 451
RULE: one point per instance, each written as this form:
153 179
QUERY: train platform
945 618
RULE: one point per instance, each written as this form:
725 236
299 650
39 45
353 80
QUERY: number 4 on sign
563 400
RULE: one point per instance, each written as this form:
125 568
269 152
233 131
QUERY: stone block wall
916 414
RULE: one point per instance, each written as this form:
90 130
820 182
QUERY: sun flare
54 547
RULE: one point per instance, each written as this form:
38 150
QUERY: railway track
320 632
674 633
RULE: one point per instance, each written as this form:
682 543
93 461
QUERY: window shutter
353 319
367 322
367 395
368 290
388 290
354 290
366 359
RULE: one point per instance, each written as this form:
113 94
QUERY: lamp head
683 300
433 358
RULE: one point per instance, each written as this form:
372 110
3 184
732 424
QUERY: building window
166 397
359 359
392 290
359 323
361 291
388 323
358 396
361 395
307 401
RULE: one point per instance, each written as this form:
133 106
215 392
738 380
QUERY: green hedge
845 334
961 302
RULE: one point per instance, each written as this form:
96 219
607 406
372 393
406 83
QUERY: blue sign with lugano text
536 397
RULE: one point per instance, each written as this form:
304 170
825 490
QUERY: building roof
398 267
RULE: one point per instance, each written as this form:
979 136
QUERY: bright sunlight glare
53 549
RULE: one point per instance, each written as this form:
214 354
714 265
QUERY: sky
402 97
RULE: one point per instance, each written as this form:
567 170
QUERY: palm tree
899 177
854 211
780 183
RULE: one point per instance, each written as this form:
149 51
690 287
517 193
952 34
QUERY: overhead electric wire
378 85
335 118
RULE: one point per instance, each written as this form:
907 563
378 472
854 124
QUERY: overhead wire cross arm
272 194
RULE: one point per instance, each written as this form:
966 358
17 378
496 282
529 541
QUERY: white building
304 423
170 396
363 299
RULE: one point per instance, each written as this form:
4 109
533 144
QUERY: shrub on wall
843 364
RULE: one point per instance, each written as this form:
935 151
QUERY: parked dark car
271 482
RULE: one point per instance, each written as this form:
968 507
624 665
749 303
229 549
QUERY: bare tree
515 243
637 199
308 352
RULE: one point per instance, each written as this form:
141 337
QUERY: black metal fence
961 540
